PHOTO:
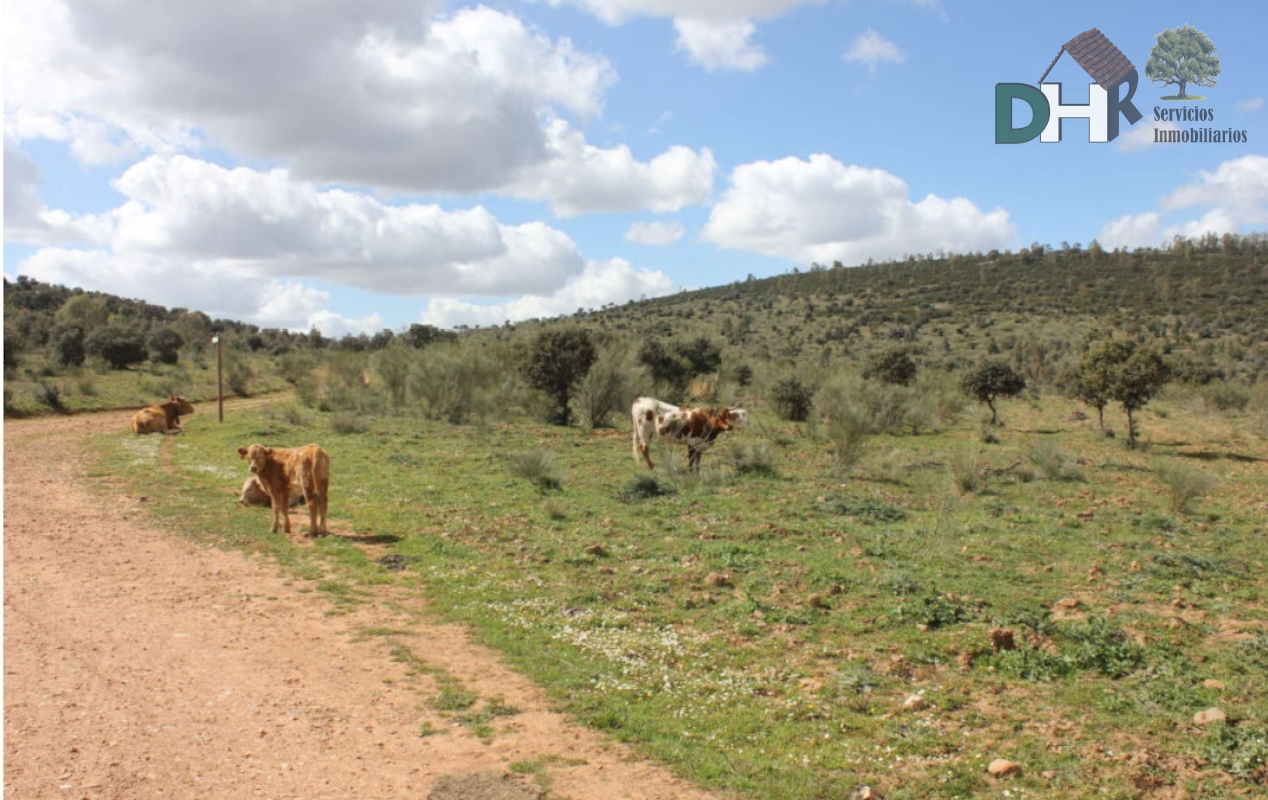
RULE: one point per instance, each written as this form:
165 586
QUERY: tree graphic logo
1183 56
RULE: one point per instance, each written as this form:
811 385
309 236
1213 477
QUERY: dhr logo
1104 63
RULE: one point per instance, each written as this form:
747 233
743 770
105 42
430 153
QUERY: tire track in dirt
141 665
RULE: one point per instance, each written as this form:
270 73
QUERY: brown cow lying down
694 427
277 469
162 418
253 494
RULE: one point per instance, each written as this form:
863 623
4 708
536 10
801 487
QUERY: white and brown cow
695 427
277 469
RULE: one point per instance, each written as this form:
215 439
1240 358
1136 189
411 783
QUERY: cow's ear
268 451
242 452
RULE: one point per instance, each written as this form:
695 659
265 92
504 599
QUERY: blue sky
359 166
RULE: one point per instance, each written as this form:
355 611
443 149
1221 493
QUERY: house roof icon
1098 56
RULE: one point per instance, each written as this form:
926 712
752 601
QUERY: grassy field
783 625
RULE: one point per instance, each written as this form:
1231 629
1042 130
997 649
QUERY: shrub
48 394
165 344
460 382
348 422
1224 396
609 386
68 345
537 466
1184 485
120 345
792 400
1053 462
557 362
237 373
751 459
646 486
892 366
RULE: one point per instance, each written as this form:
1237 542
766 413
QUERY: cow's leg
693 458
282 506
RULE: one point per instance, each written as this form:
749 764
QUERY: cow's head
736 416
183 406
256 456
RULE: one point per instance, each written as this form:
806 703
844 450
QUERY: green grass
1188 98
760 630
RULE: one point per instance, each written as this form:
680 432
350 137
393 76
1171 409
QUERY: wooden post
220 386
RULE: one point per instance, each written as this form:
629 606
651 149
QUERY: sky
352 166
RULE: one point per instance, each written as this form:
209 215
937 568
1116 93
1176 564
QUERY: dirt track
139 665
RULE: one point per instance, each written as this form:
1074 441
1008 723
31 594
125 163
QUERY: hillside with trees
1200 304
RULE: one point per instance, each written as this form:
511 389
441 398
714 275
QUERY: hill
1203 303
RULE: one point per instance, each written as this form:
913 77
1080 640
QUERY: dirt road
140 665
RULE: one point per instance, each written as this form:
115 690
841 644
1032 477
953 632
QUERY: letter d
1005 94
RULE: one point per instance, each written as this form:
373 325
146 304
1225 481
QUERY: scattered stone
867 793
816 601
914 702
597 550
1211 683
1003 768
1209 717
718 579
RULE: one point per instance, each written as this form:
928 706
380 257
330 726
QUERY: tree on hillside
1093 380
1123 371
120 345
1182 56
991 381
893 366
165 344
67 340
557 361
1136 381
673 366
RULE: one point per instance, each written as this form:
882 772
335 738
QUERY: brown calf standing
277 468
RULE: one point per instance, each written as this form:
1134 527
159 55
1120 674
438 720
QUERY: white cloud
1239 188
384 93
823 211
580 178
716 34
654 233
271 224
245 244
1141 137
1131 231
1250 104
379 94
613 281
720 45
616 12
1235 195
27 219
872 49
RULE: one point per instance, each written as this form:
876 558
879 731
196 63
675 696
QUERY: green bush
792 400
1184 485
537 466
